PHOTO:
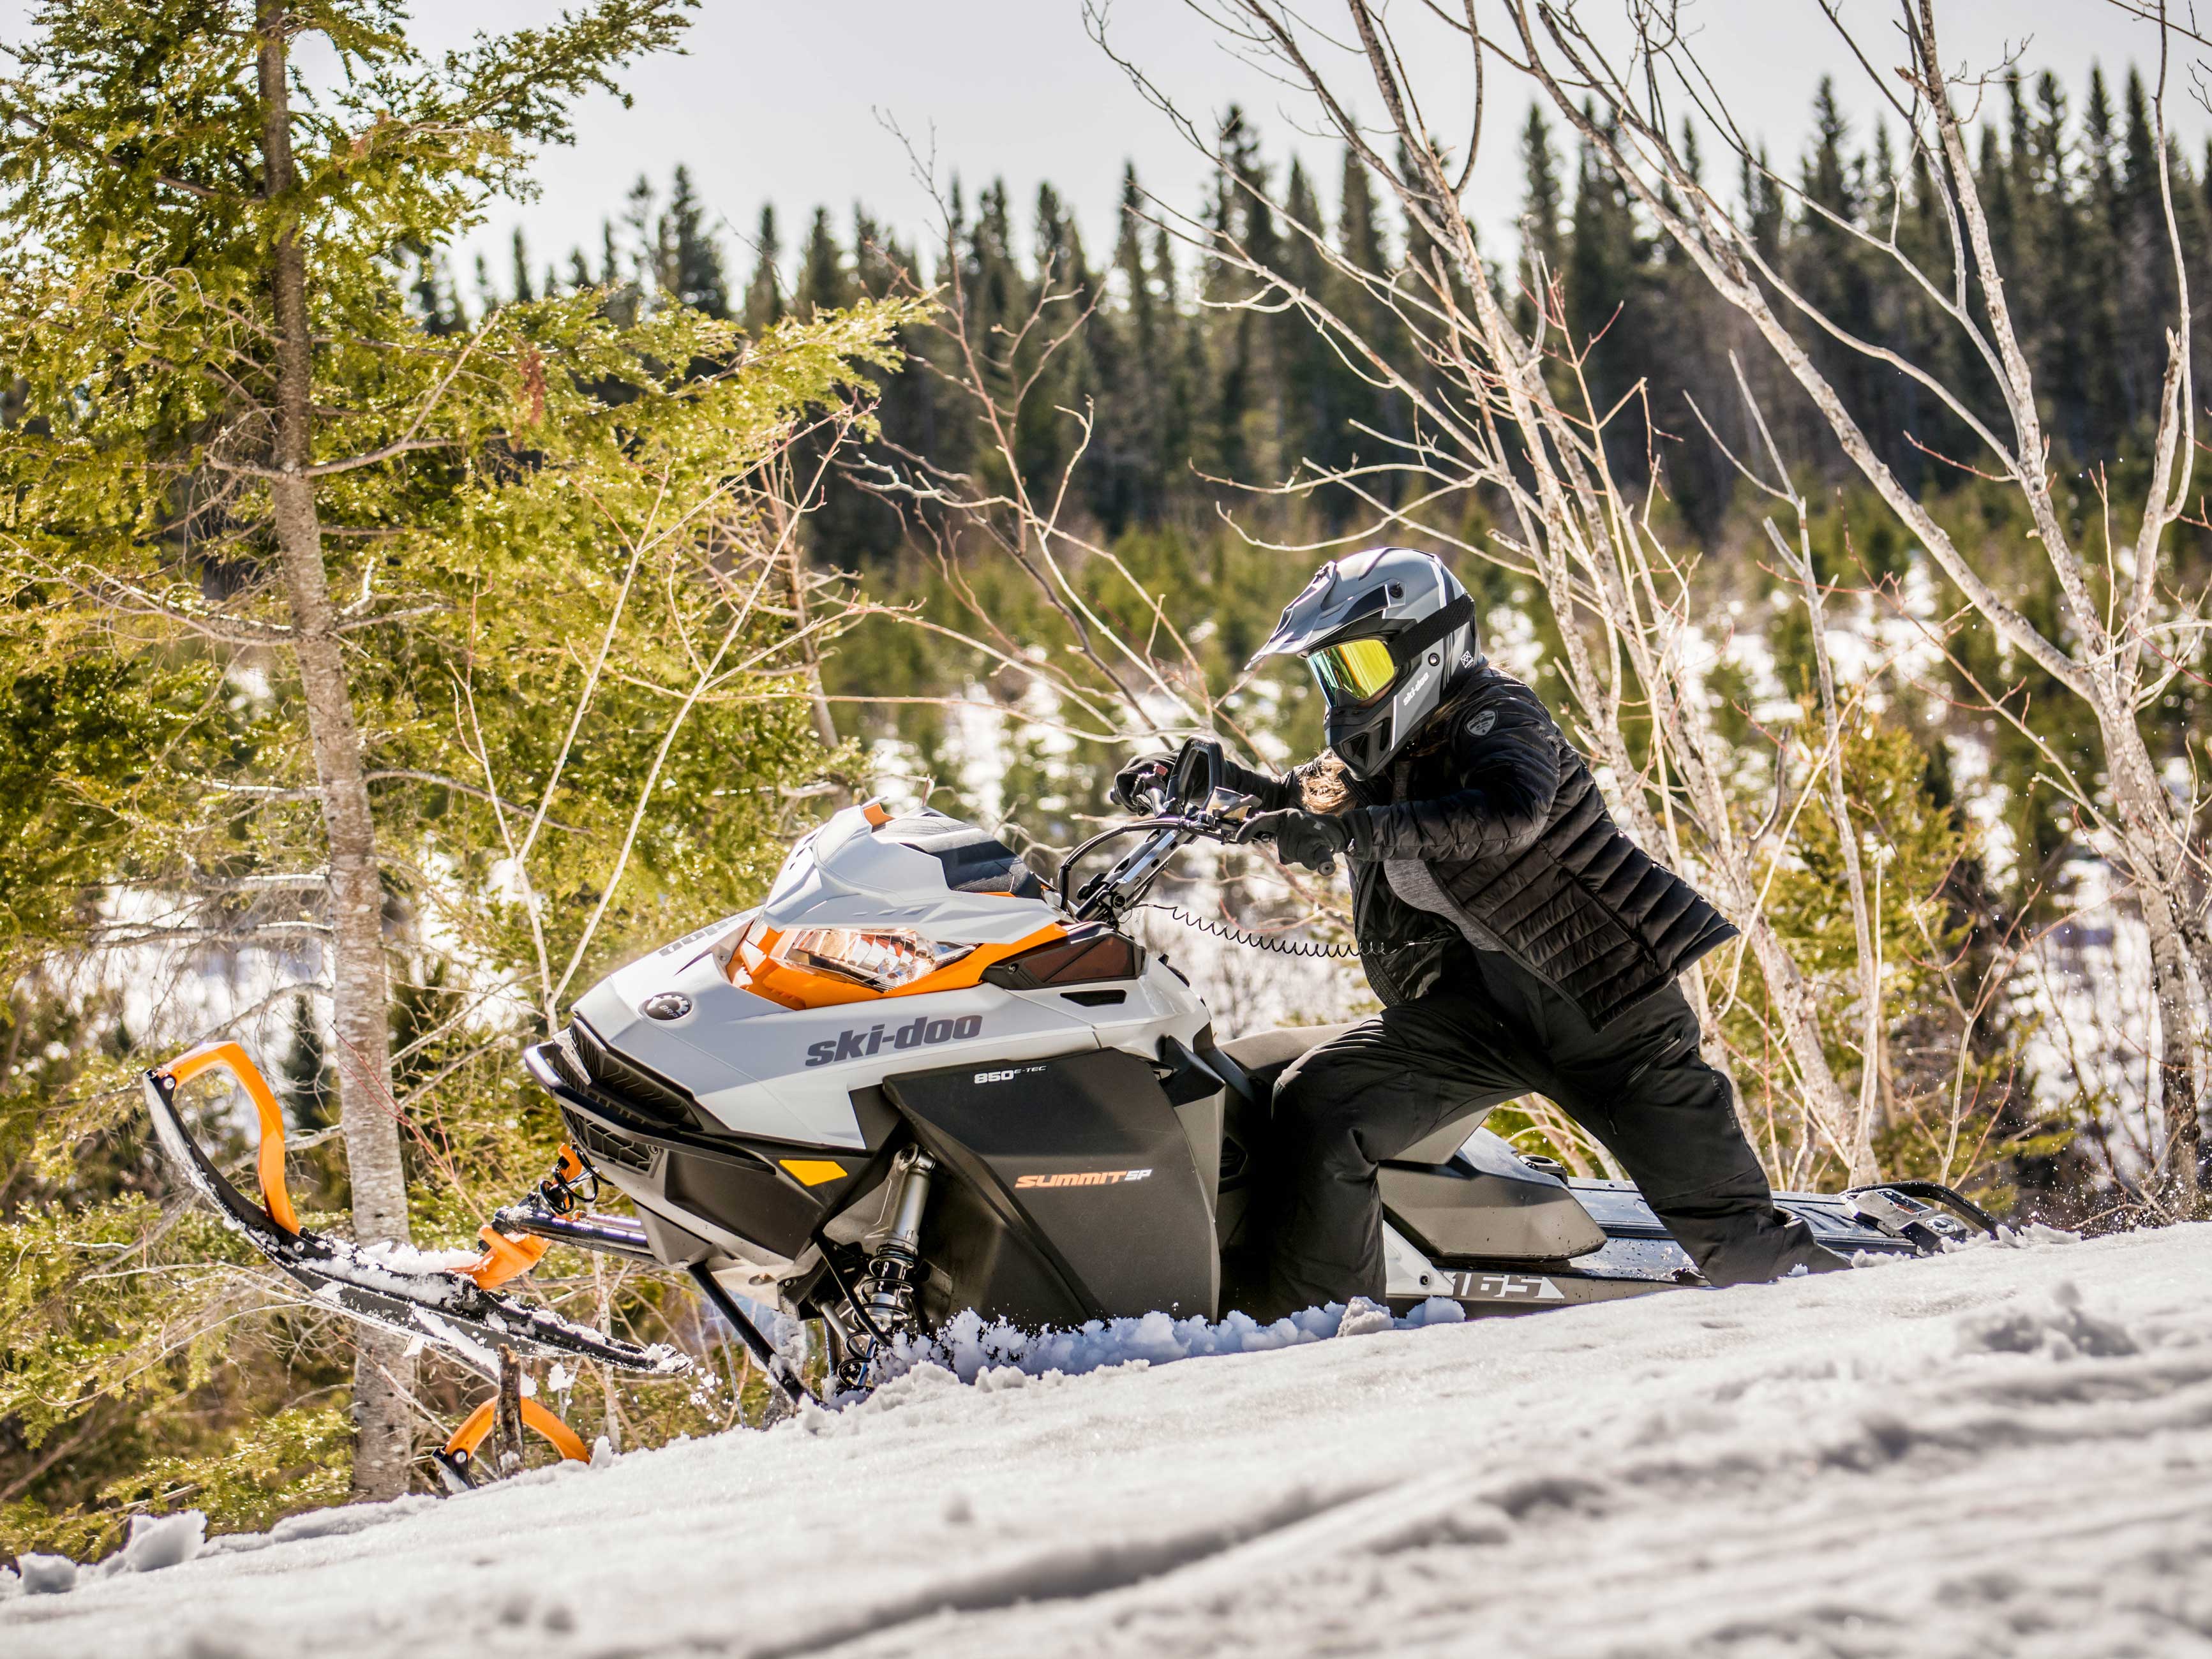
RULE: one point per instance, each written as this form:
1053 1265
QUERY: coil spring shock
886 1298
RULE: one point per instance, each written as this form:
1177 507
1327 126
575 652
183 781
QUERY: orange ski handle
507 1255
269 1160
477 1424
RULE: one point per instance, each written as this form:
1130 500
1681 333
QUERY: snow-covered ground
2002 1452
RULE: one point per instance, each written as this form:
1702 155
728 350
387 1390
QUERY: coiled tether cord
1310 948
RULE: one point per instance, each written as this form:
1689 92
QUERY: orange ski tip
269 1160
874 812
476 1424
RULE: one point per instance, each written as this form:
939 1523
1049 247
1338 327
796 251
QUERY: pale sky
779 101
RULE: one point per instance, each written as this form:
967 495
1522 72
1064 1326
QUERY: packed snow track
2003 1451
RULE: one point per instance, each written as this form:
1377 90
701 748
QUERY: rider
1518 940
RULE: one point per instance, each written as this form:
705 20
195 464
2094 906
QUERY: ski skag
459 1310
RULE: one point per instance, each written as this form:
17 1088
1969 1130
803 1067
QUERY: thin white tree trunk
383 1374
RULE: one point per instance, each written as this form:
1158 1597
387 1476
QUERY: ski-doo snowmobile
916 1080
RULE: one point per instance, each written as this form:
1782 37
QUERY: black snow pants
1489 1031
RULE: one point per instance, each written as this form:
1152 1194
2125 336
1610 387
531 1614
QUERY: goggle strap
1407 647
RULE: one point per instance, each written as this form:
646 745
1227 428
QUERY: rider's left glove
1312 839
1185 778
1145 773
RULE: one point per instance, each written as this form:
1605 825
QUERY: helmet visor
1356 672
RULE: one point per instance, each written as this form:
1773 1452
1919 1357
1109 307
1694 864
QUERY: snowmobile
916 1080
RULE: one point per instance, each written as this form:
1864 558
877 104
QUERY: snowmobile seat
1264 1055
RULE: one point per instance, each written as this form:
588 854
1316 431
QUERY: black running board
445 1309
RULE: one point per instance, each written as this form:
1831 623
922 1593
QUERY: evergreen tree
824 285
523 293
1134 369
764 304
294 380
694 275
1542 202
1363 244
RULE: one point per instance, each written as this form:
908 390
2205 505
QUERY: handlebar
1108 895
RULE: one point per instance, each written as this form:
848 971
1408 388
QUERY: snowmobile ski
456 1459
454 1309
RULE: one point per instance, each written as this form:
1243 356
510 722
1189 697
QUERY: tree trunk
383 1374
825 725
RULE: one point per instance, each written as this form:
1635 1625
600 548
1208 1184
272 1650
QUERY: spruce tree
1541 202
204 306
523 293
824 285
1136 368
695 277
765 293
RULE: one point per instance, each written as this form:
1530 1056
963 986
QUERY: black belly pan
1084 1158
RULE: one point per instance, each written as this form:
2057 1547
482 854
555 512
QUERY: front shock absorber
894 1270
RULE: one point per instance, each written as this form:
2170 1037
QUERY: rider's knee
1316 1102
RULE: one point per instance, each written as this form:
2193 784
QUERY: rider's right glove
1313 839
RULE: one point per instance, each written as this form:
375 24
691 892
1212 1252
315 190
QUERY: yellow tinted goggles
1355 671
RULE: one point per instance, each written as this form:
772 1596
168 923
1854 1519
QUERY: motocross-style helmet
1384 632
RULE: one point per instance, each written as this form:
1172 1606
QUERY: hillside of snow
2003 1451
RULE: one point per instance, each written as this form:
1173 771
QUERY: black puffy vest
1499 805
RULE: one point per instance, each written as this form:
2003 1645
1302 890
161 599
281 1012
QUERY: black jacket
1491 796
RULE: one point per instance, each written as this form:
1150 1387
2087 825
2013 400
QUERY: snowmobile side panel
1086 1153
982 1253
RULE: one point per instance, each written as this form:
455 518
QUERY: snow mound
164 1540
1994 1451
46 1575
970 1349
2057 1327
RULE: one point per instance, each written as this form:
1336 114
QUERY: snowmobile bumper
457 1310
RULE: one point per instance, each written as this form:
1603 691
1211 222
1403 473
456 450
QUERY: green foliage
552 534
297 1460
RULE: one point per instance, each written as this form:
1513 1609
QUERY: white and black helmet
1385 632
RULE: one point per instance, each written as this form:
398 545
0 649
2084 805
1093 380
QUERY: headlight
881 958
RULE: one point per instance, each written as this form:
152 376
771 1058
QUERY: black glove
1145 772
1185 776
1312 839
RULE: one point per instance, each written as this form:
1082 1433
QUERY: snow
410 1258
164 1540
1997 1451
